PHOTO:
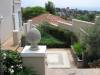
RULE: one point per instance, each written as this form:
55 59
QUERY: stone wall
80 27
67 25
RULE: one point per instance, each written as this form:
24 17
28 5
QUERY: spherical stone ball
33 36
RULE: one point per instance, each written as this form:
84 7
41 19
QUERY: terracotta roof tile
48 18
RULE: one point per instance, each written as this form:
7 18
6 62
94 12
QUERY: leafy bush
92 45
12 63
51 42
79 49
51 34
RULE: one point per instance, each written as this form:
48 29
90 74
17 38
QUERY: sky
80 4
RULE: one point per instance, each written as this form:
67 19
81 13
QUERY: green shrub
51 42
12 63
92 44
57 33
91 41
52 36
79 49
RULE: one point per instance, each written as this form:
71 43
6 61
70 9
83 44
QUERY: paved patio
58 59
73 70
66 58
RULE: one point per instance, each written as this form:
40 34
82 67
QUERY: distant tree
91 17
50 7
86 17
82 17
30 12
57 9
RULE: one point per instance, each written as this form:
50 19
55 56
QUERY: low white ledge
26 52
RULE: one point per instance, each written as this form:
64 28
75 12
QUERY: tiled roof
48 18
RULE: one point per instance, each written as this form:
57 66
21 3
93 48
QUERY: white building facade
10 12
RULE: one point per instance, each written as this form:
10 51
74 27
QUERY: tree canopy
31 12
86 17
50 7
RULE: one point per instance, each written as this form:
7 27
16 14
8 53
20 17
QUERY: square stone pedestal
35 59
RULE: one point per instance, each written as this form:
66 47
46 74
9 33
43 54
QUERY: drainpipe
13 16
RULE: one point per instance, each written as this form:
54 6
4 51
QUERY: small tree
50 7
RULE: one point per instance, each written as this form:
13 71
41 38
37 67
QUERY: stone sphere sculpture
34 37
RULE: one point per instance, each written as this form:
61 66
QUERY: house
10 18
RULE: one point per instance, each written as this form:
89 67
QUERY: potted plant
77 51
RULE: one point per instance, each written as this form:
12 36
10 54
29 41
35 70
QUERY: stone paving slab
66 53
58 59
73 70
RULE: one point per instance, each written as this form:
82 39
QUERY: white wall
80 27
7 23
